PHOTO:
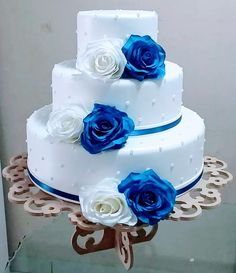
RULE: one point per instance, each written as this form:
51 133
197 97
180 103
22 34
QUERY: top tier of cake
150 103
119 24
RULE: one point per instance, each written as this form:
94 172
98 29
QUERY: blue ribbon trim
156 129
47 188
73 197
189 186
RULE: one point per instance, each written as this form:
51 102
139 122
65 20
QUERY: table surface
206 245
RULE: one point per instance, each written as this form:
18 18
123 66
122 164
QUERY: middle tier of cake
175 154
150 103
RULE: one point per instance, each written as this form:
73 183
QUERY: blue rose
145 58
105 128
150 197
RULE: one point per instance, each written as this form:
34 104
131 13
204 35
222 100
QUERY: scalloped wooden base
188 206
121 240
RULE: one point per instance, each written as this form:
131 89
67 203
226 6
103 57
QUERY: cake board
189 206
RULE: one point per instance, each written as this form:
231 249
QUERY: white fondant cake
175 154
116 110
149 103
99 24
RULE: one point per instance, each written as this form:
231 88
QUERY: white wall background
198 35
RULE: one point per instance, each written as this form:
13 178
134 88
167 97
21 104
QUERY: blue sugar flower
105 128
145 58
150 197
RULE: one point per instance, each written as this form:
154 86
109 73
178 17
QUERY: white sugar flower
103 59
104 204
66 124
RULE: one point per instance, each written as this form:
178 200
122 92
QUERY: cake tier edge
175 154
99 24
150 103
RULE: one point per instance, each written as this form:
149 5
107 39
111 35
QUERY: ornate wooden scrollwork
204 195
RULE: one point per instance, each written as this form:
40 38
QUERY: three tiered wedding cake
116 137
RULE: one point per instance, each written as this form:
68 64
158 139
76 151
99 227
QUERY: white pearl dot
162 116
118 173
127 103
147 169
192 260
182 90
26 141
73 185
191 158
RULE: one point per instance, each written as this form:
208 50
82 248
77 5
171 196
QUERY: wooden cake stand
204 195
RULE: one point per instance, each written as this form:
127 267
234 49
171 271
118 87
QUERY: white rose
103 59
66 124
104 204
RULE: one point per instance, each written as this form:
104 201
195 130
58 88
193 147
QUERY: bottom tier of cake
62 168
